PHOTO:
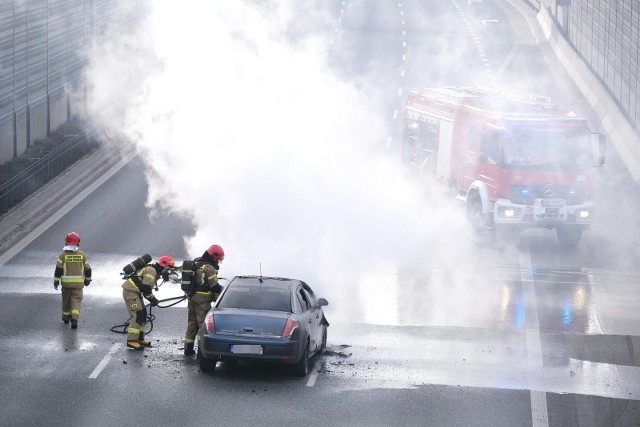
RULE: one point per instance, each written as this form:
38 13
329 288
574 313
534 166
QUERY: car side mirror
322 302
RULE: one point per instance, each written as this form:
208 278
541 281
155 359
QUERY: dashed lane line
539 410
105 360
313 376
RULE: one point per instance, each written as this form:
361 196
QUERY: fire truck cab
515 159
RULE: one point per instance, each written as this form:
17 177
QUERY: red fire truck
514 159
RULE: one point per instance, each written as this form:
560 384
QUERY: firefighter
74 271
133 289
206 290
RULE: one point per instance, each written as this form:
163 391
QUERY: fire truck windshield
546 149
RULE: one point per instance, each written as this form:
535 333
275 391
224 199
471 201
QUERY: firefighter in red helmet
140 285
74 273
206 290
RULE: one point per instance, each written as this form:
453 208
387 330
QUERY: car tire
206 365
323 344
301 369
476 217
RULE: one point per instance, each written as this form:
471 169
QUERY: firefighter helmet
72 239
166 261
215 252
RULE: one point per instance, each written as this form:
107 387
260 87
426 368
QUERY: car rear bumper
272 350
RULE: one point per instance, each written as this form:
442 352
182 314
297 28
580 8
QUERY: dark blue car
270 319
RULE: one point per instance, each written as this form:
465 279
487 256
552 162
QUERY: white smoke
248 131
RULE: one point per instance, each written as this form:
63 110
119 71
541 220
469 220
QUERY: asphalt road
514 333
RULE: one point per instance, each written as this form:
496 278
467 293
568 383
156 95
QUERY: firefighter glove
55 285
153 300
87 282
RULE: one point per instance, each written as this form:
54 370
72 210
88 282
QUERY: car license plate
553 212
246 349
554 202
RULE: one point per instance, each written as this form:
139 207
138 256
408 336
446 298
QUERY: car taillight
209 323
290 327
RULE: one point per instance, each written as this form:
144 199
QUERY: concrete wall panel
21 133
6 140
38 122
57 111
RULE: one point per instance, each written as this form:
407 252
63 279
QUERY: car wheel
480 222
301 369
206 365
474 214
323 345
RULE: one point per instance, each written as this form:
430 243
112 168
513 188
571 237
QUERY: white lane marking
105 361
539 411
507 61
63 211
595 323
313 376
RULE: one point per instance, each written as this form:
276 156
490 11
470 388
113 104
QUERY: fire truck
516 160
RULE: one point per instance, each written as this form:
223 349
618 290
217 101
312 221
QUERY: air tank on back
136 265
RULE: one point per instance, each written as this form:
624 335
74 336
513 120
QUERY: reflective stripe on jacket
206 278
73 266
148 278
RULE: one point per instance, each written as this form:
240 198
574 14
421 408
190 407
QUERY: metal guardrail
41 163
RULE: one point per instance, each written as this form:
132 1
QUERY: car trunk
250 323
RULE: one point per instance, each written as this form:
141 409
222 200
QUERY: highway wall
43 54
598 43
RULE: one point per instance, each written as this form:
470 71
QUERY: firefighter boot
142 341
188 349
74 324
65 319
135 345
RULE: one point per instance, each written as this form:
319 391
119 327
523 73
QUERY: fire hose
171 276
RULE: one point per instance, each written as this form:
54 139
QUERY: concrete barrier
615 125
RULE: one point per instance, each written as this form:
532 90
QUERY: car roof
278 282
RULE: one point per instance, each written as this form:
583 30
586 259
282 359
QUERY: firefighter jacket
72 268
142 282
206 279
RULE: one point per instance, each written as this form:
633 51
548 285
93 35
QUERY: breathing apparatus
169 274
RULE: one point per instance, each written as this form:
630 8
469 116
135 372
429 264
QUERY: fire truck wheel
478 221
568 236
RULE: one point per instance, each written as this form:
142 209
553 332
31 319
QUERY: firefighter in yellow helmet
133 289
206 290
74 272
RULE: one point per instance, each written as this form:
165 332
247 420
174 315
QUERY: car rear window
256 298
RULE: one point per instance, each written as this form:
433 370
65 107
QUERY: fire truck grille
525 194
